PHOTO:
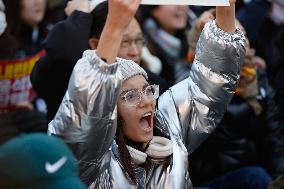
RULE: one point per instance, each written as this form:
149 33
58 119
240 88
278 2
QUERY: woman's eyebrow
133 89
127 90
145 85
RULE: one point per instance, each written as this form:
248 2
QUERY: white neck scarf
159 149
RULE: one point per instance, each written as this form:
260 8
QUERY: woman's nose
145 101
133 49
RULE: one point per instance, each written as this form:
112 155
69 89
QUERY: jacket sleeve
194 107
87 115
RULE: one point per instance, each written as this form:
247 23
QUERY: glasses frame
130 42
140 93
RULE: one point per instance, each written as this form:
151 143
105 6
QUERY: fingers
80 5
120 14
204 18
67 9
212 11
125 6
122 9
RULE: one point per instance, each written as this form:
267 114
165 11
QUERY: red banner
15 85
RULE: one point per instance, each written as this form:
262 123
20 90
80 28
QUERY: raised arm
87 116
225 17
119 17
201 100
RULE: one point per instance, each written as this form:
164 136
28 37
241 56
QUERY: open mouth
146 121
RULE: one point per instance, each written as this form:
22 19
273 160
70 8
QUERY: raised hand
205 17
80 5
120 13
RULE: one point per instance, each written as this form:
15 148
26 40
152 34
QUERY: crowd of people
114 94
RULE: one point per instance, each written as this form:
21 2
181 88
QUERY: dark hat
38 161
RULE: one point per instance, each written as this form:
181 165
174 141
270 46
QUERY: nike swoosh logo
52 168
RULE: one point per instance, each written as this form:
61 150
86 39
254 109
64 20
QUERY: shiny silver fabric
188 112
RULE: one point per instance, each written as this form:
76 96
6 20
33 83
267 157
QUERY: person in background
9 44
38 161
170 31
263 21
237 154
122 137
197 26
25 20
54 12
277 79
165 27
276 139
80 31
17 113
278 183
26 23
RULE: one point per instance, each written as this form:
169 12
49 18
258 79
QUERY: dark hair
280 39
100 15
145 12
277 69
13 15
125 155
8 45
99 19
16 25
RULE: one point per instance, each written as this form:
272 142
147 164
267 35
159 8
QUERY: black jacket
65 45
19 122
275 143
240 140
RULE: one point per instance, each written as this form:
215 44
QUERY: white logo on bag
52 168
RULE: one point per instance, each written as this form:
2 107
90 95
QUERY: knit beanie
3 23
129 69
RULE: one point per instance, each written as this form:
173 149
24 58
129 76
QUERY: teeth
147 114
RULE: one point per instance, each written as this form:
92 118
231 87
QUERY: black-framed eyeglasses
134 97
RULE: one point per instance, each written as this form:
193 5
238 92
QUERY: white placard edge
187 2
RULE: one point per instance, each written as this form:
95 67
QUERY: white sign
187 2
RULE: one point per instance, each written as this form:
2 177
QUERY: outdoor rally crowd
116 94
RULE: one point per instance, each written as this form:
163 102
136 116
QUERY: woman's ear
93 42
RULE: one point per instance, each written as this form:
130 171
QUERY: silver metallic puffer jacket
188 111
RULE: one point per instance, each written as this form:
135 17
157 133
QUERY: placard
187 2
15 85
